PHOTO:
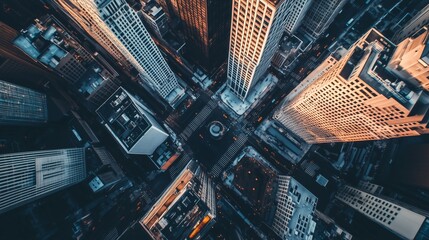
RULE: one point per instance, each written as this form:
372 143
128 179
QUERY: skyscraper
406 222
117 27
27 176
85 14
293 218
411 59
186 209
129 122
124 22
320 16
206 25
356 99
20 105
256 29
297 10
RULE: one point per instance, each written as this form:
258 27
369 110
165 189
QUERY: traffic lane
279 162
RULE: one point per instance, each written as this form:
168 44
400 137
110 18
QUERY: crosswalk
198 120
228 155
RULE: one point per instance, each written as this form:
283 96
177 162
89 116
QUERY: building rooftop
375 52
45 41
304 206
151 8
252 178
127 122
182 211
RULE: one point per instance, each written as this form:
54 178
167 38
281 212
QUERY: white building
132 126
129 29
256 29
118 28
402 221
293 218
27 176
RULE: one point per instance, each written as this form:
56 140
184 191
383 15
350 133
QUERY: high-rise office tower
293 218
186 209
20 105
117 27
405 222
129 122
85 14
124 22
420 20
411 59
27 176
297 10
206 25
320 16
256 29
357 99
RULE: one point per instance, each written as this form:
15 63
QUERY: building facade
420 20
20 105
126 25
186 209
256 28
129 122
411 59
85 14
119 30
297 10
404 222
295 208
27 176
155 17
206 25
356 99
320 16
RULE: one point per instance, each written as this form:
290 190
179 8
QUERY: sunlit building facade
411 59
256 29
118 28
124 22
27 176
186 209
357 99
21 106
85 14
